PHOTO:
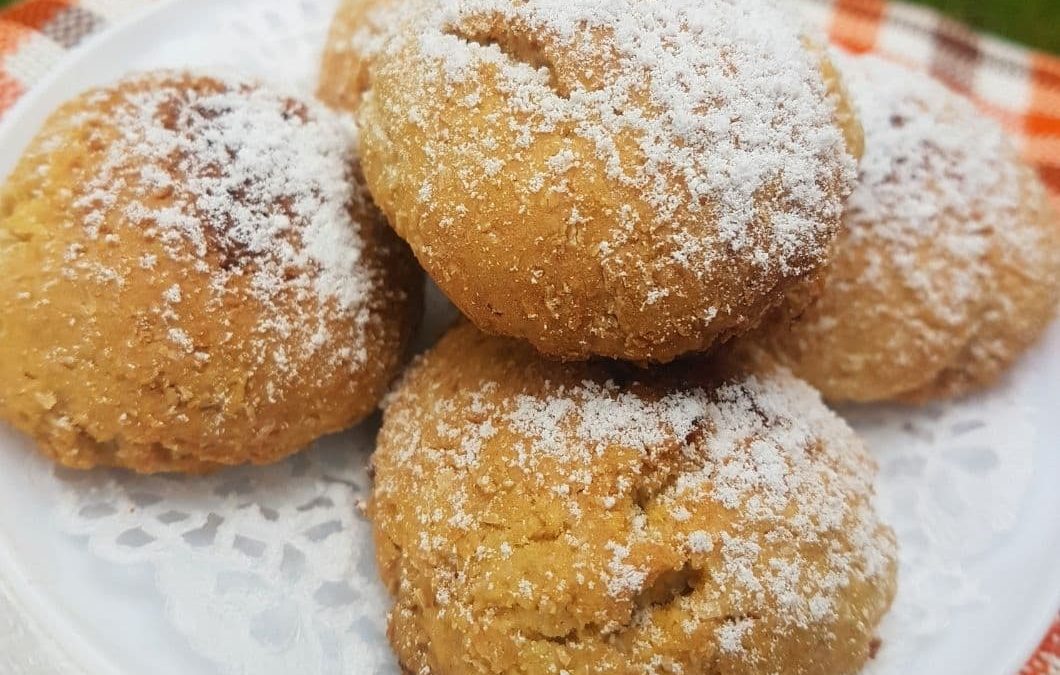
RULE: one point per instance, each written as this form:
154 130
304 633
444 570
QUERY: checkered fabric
1017 86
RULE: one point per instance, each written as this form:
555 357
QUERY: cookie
637 180
948 267
192 275
538 517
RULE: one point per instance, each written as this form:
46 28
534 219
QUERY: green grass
1035 23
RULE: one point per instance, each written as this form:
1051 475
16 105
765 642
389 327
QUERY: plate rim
41 618
43 615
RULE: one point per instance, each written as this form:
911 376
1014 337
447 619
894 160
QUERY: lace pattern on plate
952 480
264 570
270 570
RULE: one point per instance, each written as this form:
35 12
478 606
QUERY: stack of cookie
674 228
656 216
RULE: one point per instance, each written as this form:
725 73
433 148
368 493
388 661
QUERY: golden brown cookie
538 517
357 31
638 181
948 268
192 275
1024 262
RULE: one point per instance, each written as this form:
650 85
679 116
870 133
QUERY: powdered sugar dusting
714 112
622 578
730 635
247 186
752 492
936 173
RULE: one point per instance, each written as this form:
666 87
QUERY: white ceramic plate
971 488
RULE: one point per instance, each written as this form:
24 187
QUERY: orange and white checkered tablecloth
1016 85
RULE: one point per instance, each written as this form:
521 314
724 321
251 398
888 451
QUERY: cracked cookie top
194 275
616 521
630 178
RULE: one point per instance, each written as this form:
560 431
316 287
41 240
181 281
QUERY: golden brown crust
507 189
845 115
536 517
1021 307
143 333
356 31
948 267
